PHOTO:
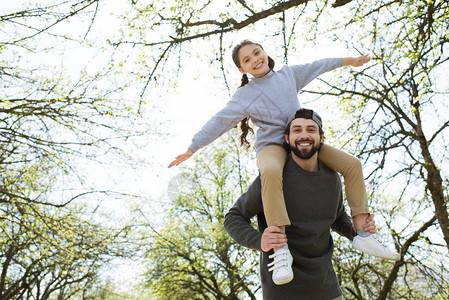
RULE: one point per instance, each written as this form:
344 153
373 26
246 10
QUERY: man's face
304 139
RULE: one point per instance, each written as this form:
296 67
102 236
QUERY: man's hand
272 238
356 61
180 158
370 225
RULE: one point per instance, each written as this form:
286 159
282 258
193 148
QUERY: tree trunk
435 186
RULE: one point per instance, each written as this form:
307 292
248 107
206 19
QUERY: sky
183 111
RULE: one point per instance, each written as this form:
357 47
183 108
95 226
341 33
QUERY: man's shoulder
256 183
253 192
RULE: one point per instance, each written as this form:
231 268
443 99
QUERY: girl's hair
244 124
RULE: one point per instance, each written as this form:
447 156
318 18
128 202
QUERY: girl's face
253 60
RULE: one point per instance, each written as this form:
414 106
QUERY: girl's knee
355 164
353 161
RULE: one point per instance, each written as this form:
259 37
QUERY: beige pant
271 161
338 298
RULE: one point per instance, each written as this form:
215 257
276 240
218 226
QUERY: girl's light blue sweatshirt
269 101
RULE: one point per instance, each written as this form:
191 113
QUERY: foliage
191 256
392 112
55 115
168 33
395 122
46 251
387 107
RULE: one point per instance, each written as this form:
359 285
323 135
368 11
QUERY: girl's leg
351 168
271 161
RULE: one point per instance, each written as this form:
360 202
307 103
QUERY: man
313 197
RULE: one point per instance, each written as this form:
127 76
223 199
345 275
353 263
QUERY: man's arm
238 219
343 226
343 223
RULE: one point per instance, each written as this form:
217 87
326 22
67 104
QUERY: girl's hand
360 61
180 158
356 61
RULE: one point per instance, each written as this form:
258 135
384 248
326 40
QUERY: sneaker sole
284 280
396 258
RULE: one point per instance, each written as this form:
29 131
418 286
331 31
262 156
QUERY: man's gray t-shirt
314 205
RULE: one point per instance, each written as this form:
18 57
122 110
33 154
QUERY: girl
270 99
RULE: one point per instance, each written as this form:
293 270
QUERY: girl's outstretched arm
356 61
180 158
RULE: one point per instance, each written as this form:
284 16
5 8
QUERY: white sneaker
281 265
371 245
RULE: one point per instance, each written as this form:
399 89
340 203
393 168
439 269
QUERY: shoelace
280 259
380 242
386 250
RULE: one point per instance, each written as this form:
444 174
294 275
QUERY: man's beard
305 154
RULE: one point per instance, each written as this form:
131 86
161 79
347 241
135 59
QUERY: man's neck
310 164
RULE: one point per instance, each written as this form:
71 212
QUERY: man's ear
286 139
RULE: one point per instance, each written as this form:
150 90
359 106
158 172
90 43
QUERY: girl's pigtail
244 81
244 126
270 63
